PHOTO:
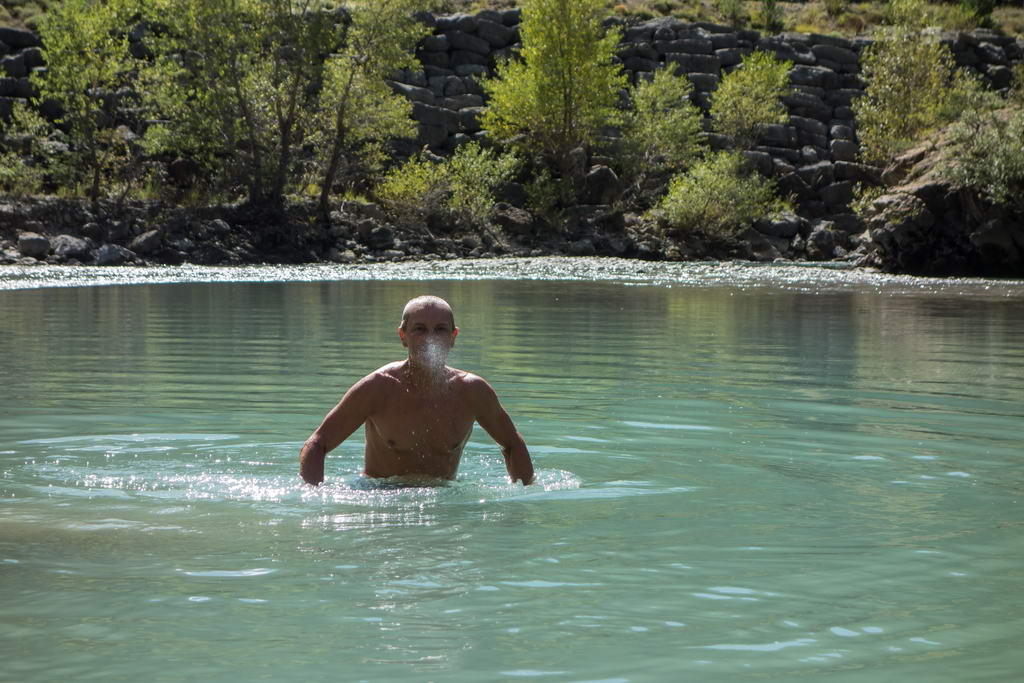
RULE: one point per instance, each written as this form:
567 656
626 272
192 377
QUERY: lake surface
743 474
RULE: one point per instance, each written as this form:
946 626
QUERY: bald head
427 302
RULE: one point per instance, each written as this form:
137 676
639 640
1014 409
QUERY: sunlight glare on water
742 474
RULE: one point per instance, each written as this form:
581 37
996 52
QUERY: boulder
513 220
69 246
18 38
33 244
112 255
601 186
147 243
821 243
785 225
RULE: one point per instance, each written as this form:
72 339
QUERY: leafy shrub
733 11
565 87
748 98
718 196
981 10
907 76
989 156
771 16
87 65
663 130
835 8
357 113
460 189
22 157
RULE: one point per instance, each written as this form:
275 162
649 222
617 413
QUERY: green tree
234 83
358 112
663 129
749 98
88 65
907 75
718 196
564 87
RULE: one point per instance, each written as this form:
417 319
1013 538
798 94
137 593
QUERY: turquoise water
806 474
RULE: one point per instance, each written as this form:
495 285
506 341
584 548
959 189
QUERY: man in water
418 412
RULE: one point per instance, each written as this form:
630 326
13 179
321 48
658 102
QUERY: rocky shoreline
73 233
922 227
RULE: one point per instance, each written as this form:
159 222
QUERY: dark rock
778 135
809 154
687 63
460 40
147 243
462 101
601 186
999 76
858 173
112 255
14 66
835 53
837 195
992 54
412 92
435 116
817 175
513 220
730 56
759 161
582 247
786 225
821 243
33 244
478 70
843 150
1000 243
469 118
69 246
18 38
495 33
435 43
760 247
704 82
16 87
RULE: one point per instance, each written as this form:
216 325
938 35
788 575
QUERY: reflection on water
733 482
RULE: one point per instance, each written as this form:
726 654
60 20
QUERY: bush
232 84
771 16
733 11
718 196
748 98
663 130
907 93
565 87
358 113
88 65
460 189
22 158
989 156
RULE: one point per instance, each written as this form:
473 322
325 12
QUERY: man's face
429 335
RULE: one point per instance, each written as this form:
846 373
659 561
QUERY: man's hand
311 461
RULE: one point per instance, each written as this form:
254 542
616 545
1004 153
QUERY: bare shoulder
475 386
377 382
386 373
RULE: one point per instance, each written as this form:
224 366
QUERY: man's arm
495 420
352 411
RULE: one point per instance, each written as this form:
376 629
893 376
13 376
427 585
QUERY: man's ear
401 335
455 333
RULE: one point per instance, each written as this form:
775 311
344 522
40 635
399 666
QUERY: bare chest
423 423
